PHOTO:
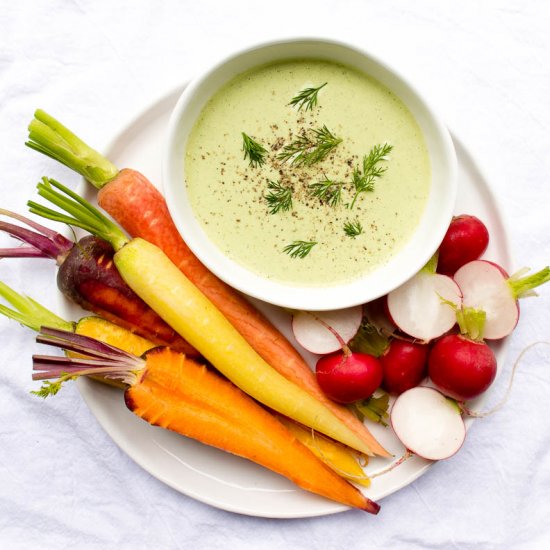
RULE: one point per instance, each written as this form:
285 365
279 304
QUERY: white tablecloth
485 68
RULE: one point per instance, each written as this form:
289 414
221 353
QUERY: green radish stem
50 137
431 264
81 213
522 287
471 321
30 313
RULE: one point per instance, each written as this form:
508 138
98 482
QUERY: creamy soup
343 238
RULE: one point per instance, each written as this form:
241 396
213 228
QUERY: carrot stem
48 136
29 312
81 213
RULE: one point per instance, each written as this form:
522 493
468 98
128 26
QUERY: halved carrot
336 456
175 393
133 201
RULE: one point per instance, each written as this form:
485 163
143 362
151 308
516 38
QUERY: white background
483 66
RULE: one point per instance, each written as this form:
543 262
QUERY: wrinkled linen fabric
483 66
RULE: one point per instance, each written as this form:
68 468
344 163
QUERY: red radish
312 332
404 365
427 423
466 240
486 286
419 306
347 378
461 368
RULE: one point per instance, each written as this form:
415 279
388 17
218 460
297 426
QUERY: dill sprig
307 98
299 249
253 151
279 197
328 191
306 150
363 180
353 228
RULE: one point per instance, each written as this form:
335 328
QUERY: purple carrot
88 277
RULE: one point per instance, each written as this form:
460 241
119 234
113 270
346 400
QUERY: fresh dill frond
328 191
49 388
299 249
308 149
307 98
253 151
353 228
279 197
363 180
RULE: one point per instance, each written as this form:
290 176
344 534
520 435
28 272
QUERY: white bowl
403 265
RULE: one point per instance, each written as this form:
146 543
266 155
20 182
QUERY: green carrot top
50 137
76 211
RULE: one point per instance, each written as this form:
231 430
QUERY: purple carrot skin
88 277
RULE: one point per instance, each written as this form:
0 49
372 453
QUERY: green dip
227 194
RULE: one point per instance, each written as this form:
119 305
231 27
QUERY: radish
316 331
346 378
404 365
460 367
486 286
420 307
466 240
427 423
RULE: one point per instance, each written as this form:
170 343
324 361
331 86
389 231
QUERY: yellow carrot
336 456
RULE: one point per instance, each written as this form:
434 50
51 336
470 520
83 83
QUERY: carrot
168 390
30 313
156 280
131 199
334 455
88 277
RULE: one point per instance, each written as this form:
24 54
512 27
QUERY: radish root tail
504 400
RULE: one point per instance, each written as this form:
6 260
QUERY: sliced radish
427 423
487 287
315 331
418 307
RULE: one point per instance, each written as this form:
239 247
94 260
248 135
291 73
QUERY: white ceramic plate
209 475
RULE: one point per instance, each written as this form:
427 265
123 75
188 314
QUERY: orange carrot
173 392
134 202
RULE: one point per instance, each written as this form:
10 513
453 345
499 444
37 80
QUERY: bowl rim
315 298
